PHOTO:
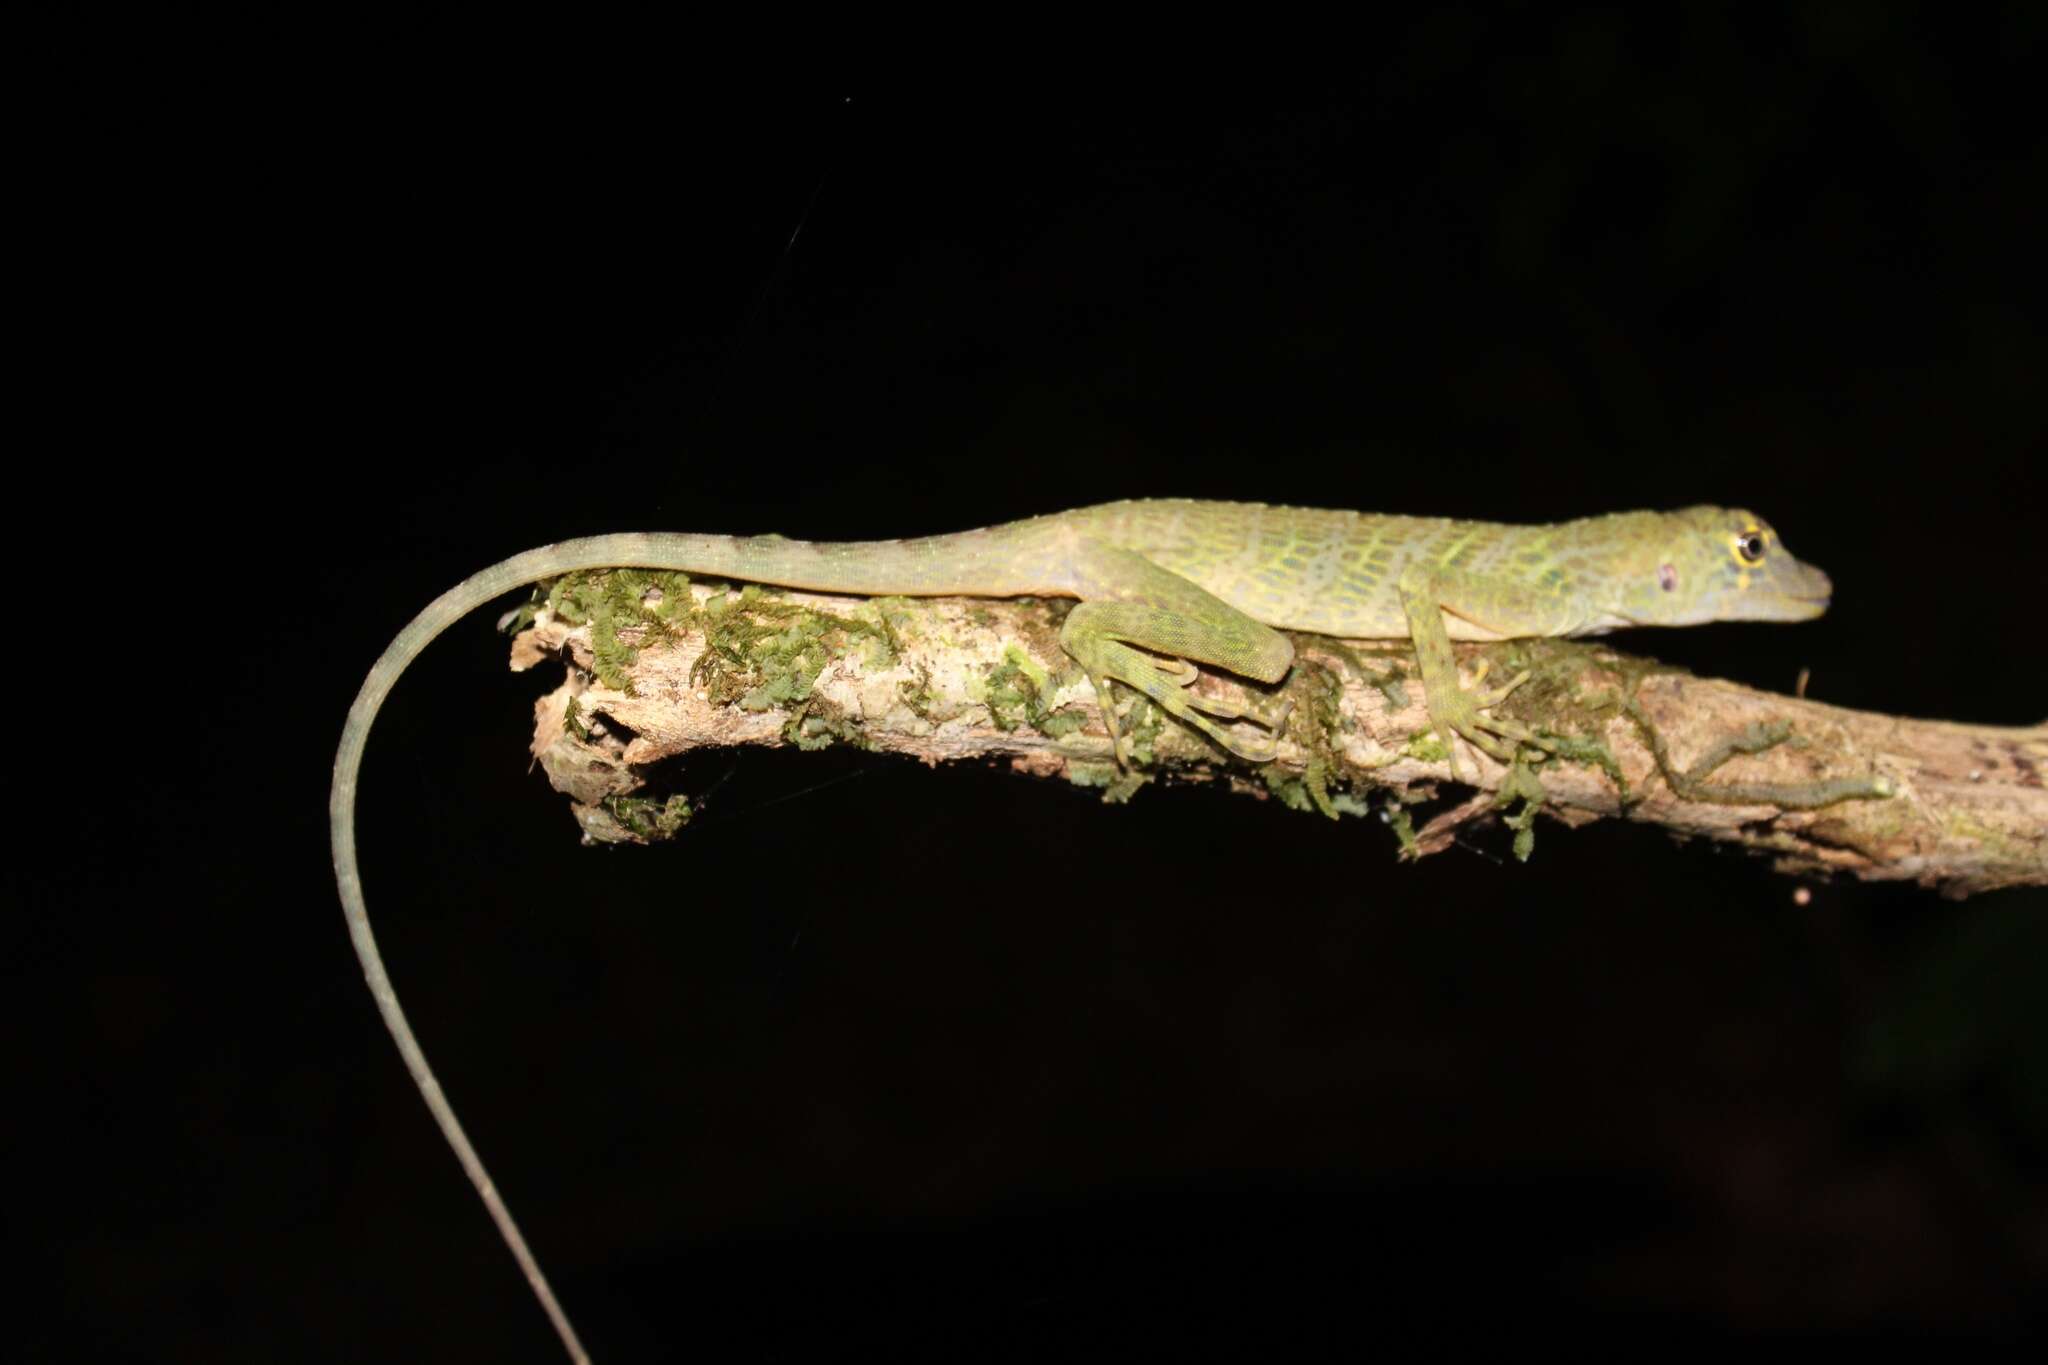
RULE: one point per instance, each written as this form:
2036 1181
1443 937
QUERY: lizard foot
1457 713
1167 686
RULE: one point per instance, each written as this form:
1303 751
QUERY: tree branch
1961 808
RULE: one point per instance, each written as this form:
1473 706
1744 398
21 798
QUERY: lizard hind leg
1132 610
1260 711
1101 635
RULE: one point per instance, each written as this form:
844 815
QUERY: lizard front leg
1502 607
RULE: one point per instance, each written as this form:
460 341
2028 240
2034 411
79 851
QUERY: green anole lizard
1165 586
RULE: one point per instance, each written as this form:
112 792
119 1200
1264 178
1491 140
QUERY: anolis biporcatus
1165 586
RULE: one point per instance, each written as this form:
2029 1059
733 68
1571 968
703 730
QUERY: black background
881 1060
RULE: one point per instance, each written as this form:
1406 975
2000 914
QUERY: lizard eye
1750 545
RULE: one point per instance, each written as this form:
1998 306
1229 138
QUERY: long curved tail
1004 560
445 610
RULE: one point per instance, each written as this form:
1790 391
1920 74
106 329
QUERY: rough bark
948 679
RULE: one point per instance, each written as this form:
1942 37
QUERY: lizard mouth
1810 593
1806 608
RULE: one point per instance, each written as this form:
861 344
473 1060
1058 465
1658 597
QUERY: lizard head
1719 564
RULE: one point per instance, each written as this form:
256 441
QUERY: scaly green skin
1195 582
